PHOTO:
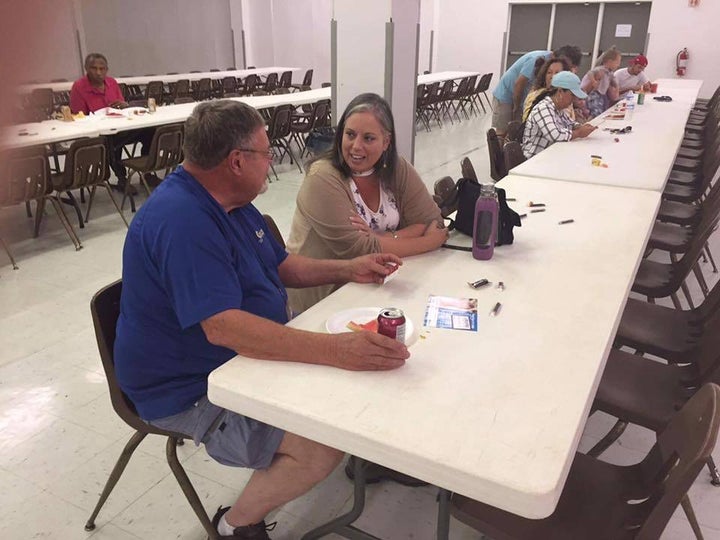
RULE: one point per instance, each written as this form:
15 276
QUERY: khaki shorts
502 115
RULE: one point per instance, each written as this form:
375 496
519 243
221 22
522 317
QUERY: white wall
140 37
469 36
674 25
257 23
301 36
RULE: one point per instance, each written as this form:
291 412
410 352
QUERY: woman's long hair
385 167
542 72
542 95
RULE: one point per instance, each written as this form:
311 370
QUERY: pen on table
523 215
495 310
566 221
536 210
536 204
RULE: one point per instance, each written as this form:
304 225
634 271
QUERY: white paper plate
337 323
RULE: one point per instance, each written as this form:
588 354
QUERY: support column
375 49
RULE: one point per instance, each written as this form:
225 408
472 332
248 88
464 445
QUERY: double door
594 27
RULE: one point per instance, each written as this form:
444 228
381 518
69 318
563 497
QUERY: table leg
443 523
342 525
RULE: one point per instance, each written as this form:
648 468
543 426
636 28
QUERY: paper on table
452 313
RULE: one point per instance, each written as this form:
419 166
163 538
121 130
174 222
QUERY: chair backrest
515 131
279 126
513 155
498 171
432 92
202 90
182 89
155 89
166 147
251 81
467 170
285 79
125 91
23 175
105 310
445 196
271 82
137 103
270 222
184 99
229 84
282 90
484 83
447 91
325 85
675 461
307 79
41 102
85 164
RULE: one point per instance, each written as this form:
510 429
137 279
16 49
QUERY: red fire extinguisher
681 62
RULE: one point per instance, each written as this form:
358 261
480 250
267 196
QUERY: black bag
467 193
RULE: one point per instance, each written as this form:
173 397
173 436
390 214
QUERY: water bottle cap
487 189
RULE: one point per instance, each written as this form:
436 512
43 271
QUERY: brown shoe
256 531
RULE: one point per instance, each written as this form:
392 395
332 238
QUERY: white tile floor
59 437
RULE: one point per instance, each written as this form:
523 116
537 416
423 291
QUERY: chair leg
187 487
701 279
715 477
676 301
7 250
686 292
709 256
115 475
612 436
690 514
72 201
112 198
39 212
66 223
28 210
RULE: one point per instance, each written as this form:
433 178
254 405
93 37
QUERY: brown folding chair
270 222
512 155
307 80
641 391
165 154
515 130
602 501
498 171
86 167
24 177
467 169
279 132
105 309
155 90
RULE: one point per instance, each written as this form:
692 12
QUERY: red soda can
391 323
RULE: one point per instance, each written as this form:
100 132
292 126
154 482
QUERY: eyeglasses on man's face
268 154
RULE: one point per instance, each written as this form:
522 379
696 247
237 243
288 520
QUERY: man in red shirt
96 91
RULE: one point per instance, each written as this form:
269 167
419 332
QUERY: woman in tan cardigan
361 197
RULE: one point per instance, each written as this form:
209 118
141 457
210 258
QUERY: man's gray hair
90 58
215 128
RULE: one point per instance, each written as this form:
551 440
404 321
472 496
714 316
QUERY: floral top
387 217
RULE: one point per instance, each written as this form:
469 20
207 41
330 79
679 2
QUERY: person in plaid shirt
547 122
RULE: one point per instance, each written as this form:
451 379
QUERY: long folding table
494 414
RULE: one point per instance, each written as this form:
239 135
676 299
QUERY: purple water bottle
485 224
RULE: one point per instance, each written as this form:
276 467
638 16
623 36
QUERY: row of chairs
435 102
25 177
41 103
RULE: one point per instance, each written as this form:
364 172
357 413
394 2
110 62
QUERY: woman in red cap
633 77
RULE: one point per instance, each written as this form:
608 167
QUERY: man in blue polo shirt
512 89
203 280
